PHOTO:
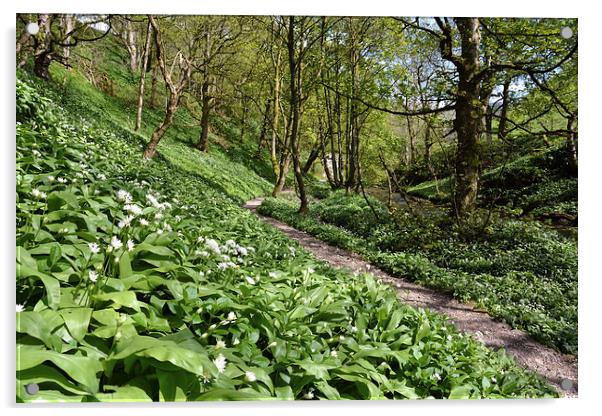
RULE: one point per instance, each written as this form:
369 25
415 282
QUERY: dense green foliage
146 281
534 185
517 271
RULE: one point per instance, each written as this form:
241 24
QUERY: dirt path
559 369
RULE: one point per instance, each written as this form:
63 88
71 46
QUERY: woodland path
558 369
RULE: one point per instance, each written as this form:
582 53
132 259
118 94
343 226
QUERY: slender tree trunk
323 156
295 89
501 132
203 144
174 89
149 29
264 127
282 173
157 135
352 148
243 119
572 144
275 122
153 94
129 37
67 21
313 155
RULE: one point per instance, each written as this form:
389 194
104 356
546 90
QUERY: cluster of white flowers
62 180
130 244
126 222
132 209
93 276
37 194
94 248
220 344
124 196
220 362
116 243
20 308
225 265
250 376
152 199
437 377
213 245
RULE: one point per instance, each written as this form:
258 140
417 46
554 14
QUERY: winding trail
558 369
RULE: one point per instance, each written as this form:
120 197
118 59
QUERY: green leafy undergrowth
517 271
143 282
533 185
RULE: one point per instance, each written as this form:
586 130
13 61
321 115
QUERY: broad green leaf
123 394
125 267
41 325
77 321
120 299
218 394
460 392
423 331
81 369
46 374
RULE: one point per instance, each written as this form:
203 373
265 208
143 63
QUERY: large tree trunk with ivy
42 53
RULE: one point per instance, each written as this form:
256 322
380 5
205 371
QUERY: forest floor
558 369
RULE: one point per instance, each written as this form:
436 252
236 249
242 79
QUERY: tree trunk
41 65
174 88
282 173
468 121
295 94
67 21
243 119
353 151
157 135
323 156
264 127
153 94
501 131
313 155
572 144
203 144
149 29
129 37
43 53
